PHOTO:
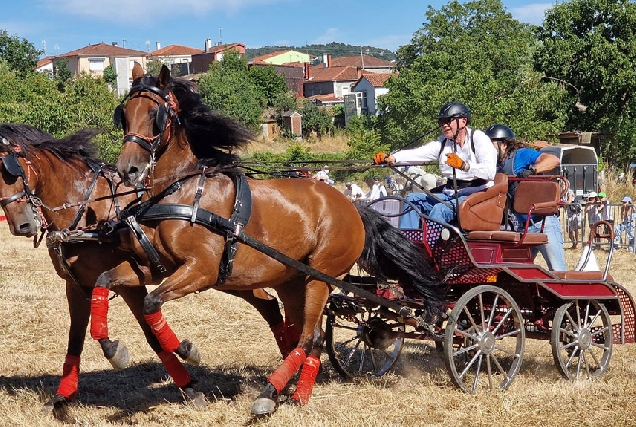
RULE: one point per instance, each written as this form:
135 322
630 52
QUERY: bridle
166 113
13 167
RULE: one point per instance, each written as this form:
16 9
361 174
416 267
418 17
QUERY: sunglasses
445 121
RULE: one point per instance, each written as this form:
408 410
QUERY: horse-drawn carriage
497 297
200 224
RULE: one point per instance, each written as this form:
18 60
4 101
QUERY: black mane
80 144
212 136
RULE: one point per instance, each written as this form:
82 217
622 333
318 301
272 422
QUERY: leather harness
151 210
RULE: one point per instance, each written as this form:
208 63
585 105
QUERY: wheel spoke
475 381
493 311
502 321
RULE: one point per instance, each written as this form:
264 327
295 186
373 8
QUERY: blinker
11 165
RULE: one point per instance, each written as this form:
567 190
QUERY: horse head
17 198
148 115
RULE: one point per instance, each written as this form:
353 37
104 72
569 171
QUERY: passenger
377 189
518 160
353 191
573 210
463 153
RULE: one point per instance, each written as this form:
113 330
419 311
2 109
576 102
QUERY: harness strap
97 169
144 241
197 196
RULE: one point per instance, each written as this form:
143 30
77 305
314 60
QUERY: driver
463 153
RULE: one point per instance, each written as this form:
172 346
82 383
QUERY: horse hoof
189 352
57 406
121 359
195 398
263 406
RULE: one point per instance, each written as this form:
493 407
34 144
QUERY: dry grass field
239 353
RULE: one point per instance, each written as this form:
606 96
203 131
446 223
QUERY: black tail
388 254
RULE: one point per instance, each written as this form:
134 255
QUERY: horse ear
137 71
164 77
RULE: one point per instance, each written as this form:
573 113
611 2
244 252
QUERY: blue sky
60 26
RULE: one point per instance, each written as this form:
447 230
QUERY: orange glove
380 158
453 160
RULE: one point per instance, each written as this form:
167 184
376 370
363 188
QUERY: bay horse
58 186
185 152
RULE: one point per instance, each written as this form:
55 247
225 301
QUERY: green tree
316 119
475 53
61 73
110 76
270 83
228 88
589 47
153 67
20 55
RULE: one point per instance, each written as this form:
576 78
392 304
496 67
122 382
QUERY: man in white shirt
353 191
464 153
377 189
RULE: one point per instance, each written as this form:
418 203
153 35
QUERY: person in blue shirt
515 159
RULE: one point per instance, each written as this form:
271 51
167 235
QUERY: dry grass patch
239 353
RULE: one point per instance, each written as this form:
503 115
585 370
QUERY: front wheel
582 339
360 342
484 340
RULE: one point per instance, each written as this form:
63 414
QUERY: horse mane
79 144
212 136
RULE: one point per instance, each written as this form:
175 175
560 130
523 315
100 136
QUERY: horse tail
389 254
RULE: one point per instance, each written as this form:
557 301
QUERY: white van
579 164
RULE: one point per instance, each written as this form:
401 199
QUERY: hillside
335 49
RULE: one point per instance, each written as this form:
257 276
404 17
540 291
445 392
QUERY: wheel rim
582 339
363 344
484 340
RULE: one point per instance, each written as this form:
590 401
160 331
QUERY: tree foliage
475 53
589 46
227 88
20 55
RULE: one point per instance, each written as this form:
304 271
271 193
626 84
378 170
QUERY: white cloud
144 13
531 13
331 35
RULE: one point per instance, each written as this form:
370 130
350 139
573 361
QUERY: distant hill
335 49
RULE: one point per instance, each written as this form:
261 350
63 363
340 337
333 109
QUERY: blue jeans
552 251
430 207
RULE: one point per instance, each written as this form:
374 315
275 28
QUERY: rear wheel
484 340
582 339
359 341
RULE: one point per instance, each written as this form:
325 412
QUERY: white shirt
354 192
482 162
377 190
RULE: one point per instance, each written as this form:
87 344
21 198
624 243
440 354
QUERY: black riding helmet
454 110
499 132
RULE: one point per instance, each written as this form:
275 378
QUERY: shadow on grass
141 386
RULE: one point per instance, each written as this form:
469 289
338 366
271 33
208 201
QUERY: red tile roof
321 73
376 80
330 97
224 47
44 61
103 49
174 50
356 61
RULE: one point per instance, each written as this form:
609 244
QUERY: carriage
185 230
497 298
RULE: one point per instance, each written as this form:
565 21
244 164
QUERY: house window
96 64
364 99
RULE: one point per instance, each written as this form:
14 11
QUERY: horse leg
134 298
124 274
316 295
310 370
285 334
79 310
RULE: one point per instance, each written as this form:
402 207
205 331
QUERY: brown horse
46 184
168 133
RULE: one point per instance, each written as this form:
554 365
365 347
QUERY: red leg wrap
70 377
175 369
307 380
99 313
281 376
162 330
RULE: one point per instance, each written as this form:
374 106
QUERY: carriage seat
581 275
483 210
539 197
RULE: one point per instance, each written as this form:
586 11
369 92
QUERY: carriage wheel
582 339
484 340
362 344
